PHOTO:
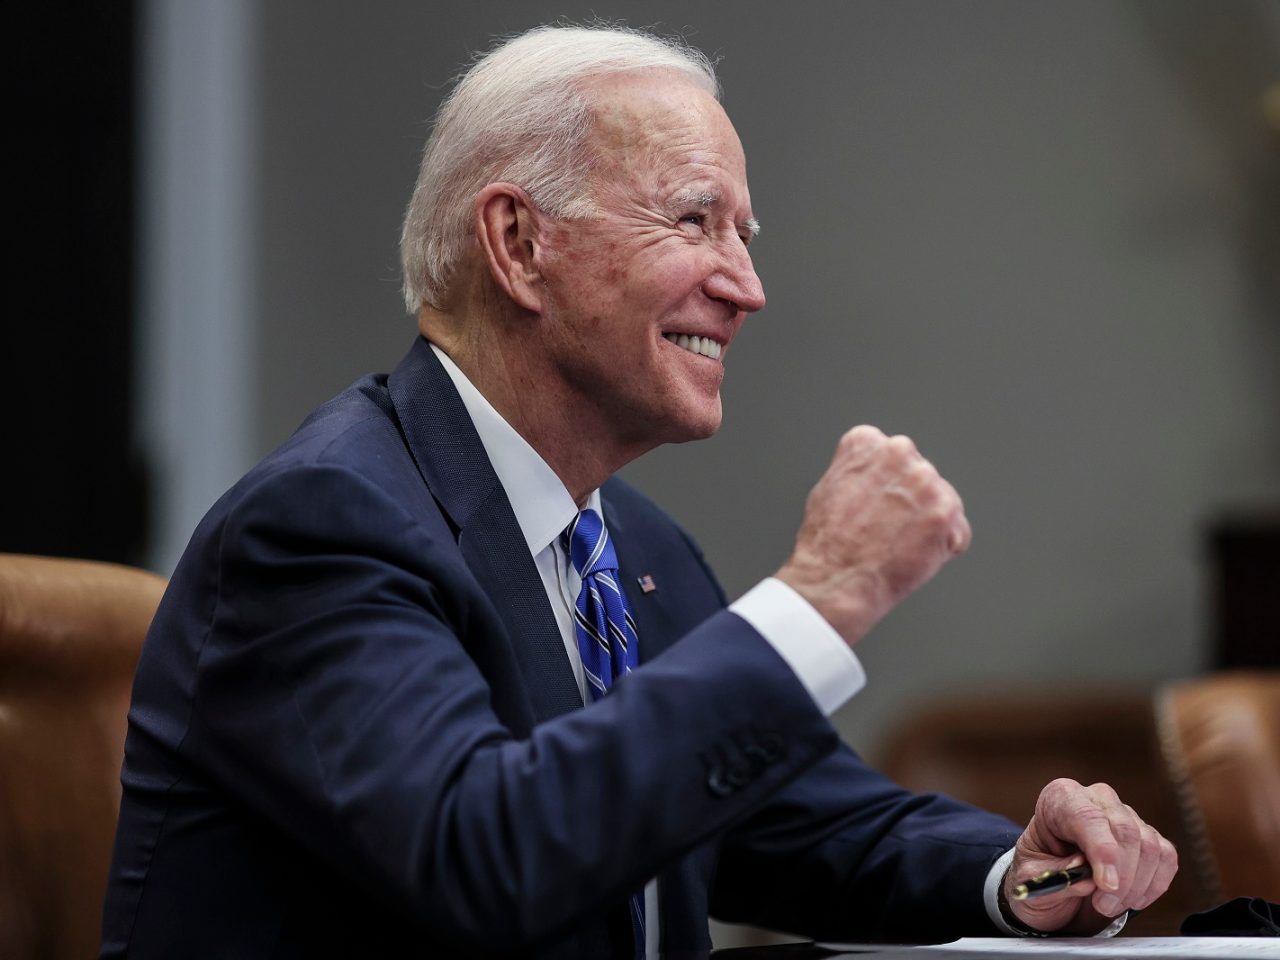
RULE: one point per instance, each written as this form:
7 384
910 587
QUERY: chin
700 426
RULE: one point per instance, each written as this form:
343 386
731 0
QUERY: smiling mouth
703 346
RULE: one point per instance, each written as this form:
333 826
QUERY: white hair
520 115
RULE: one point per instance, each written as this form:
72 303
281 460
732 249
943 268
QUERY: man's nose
736 281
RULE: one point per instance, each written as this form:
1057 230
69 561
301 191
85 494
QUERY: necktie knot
589 546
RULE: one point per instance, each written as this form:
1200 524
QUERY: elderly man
429 682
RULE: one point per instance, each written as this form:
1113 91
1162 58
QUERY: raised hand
879 523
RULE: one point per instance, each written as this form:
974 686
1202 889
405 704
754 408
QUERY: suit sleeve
337 698
843 853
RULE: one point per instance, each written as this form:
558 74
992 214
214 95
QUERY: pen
1051 881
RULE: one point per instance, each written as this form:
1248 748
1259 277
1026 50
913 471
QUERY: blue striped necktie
606 633
603 624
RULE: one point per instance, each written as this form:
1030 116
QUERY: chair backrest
70 634
1221 741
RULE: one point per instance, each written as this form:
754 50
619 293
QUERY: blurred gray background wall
1038 237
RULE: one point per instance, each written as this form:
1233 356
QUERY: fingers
1161 877
859 443
962 534
909 478
1132 863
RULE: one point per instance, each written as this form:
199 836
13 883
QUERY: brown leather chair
1221 742
1200 761
70 633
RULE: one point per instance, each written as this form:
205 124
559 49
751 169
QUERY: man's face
664 259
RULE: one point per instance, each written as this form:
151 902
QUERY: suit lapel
452 461
497 554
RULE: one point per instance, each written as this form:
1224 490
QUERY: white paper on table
1172 948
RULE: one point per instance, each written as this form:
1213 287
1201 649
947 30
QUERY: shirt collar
542 505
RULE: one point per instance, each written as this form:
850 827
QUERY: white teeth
704 346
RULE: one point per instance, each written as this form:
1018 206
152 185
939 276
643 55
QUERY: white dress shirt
543 508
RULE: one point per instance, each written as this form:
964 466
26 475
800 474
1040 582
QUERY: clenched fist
880 523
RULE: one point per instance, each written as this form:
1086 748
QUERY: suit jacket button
759 757
772 747
718 782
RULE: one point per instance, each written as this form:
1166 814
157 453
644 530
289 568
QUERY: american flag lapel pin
646 584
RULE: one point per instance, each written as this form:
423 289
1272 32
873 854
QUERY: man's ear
507 226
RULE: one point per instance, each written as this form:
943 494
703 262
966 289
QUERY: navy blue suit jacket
355 732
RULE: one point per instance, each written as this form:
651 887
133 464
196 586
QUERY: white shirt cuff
821 660
991 895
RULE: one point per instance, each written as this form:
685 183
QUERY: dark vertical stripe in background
73 483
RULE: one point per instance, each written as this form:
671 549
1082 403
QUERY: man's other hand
880 523
1132 864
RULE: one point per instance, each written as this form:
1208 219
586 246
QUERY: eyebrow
705 198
